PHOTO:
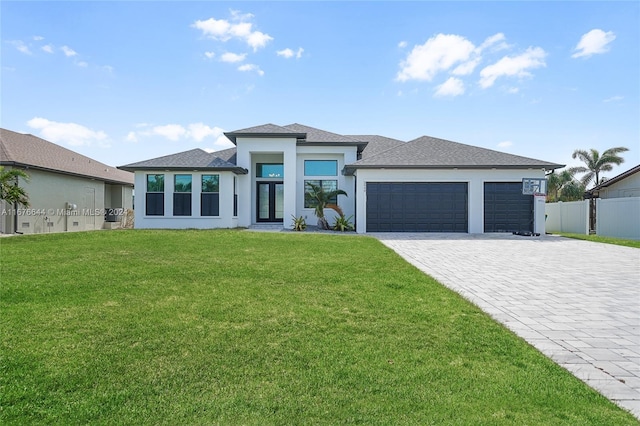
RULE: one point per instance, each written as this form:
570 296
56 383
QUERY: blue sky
127 81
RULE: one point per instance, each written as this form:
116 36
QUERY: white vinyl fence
615 217
571 216
618 217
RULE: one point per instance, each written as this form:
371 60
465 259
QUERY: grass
601 239
232 327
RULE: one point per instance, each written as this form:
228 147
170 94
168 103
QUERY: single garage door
417 207
506 209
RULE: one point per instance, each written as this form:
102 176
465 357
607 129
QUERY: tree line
564 186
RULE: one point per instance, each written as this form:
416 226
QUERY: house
67 191
424 185
626 184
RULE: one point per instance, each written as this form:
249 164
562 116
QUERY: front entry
270 202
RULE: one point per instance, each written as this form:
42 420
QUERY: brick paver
577 302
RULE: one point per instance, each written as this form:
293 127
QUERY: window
265 170
320 167
210 196
235 197
182 195
154 205
327 185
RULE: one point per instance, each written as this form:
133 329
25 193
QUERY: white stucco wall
226 219
343 155
249 151
474 178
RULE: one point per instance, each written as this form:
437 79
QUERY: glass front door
270 202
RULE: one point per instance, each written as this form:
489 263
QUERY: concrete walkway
577 302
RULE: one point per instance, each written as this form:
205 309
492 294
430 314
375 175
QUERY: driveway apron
577 302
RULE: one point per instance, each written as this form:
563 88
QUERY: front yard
234 327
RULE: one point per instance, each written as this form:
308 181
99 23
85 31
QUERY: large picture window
320 167
182 195
210 196
327 185
154 202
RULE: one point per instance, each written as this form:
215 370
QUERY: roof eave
236 170
351 168
233 135
62 172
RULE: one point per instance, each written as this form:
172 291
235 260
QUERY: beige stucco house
67 191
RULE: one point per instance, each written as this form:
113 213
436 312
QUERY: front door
270 202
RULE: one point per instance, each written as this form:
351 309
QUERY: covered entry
506 209
416 207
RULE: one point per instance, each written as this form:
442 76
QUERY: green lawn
234 327
601 239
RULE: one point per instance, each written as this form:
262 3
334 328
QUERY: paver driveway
578 302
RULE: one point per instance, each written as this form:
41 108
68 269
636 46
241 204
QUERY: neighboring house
626 184
67 191
425 185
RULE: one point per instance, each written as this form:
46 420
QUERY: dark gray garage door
416 207
506 209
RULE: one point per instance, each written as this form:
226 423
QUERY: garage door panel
417 207
506 209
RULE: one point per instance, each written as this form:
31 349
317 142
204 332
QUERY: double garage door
443 207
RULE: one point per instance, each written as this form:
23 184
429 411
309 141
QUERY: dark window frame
309 204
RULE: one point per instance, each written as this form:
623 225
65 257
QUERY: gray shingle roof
264 130
194 159
227 155
19 149
376 144
318 135
434 153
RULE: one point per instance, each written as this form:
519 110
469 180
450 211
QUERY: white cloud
47 48
82 64
70 133
233 57
173 132
251 67
209 55
68 51
257 40
223 30
402 44
131 137
466 68
594 42
194 131
505 144
199 131
38 38
491 41
437 54
513 90
614 99
19 44
518 66
288 53
452 87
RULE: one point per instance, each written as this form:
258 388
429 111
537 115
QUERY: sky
123 81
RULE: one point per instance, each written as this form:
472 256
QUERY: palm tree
10 191
597 163
321 199
556 182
